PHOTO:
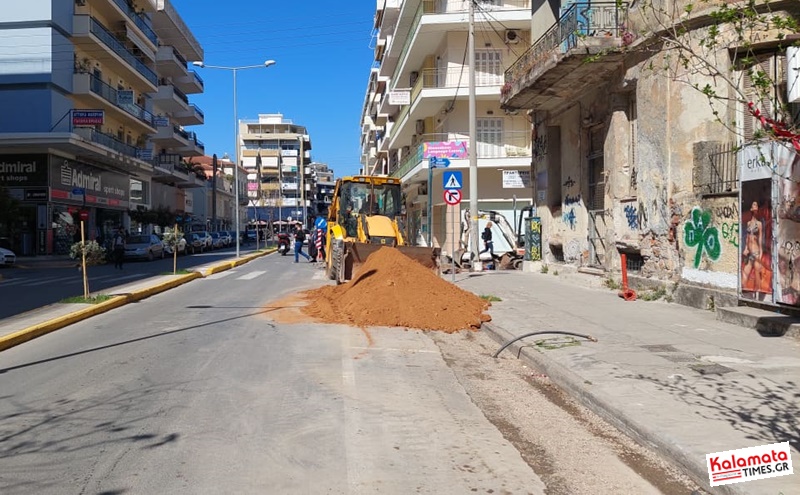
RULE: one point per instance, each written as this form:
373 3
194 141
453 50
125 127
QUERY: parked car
227 236
144 246
181 245
194 243
7 257
208 241
218 242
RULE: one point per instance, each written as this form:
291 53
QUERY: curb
40 329
641 433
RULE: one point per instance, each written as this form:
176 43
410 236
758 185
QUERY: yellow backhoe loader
363 217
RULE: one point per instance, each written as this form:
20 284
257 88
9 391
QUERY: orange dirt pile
391 289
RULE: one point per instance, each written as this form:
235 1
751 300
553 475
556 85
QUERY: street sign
79 191
452 196
434 162
452 180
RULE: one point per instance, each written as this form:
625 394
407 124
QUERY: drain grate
659 348
711 369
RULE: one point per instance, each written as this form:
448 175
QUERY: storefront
56 193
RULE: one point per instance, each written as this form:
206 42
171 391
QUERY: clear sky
323 57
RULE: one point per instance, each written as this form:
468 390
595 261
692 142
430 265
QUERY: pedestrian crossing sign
452 179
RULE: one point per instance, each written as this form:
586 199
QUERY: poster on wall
787 167
756 264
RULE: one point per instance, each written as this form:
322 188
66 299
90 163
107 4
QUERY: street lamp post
235 135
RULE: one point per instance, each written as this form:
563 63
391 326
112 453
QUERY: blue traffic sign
452 180
78 191
434 162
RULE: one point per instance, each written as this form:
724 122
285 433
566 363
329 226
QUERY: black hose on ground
589 337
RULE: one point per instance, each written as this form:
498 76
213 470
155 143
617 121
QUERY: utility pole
473 145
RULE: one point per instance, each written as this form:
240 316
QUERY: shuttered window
770 66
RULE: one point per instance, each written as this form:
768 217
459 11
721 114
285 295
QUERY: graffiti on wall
534 240
730 232
571 200
572 251
569 182
568 217
700 234
632 216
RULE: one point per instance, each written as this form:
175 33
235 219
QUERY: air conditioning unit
512 37
420 127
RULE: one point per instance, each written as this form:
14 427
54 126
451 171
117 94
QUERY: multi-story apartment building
322 185
283 188
417 107
663 162
81 86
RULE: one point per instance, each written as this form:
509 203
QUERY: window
767 65
488 68
490 138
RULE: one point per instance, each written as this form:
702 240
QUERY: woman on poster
752 262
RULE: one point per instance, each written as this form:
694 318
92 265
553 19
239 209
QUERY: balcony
192 116
139 21
104 35
111 142
435 87
167 20
170 99
582 49
504 148
85 83
171 63
190 83
169 168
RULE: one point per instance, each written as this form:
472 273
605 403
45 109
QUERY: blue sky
323 56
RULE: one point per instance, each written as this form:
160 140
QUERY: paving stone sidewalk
671 376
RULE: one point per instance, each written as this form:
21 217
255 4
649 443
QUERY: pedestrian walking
299 237
488 245
119 248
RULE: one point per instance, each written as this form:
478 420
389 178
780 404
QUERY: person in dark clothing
118 245
488 245
299 237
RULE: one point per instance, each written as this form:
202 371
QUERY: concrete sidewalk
672 377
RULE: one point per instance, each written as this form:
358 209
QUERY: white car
7 257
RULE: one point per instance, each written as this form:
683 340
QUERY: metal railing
138 19
117 47
458 77
111 95
723 174
507 144
107 140
580 20
197 76
197 109
181 94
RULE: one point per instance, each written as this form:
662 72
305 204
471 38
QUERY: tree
9 211
720 48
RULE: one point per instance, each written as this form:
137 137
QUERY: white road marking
215 276
251 275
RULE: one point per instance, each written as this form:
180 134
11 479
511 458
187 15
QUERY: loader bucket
428 257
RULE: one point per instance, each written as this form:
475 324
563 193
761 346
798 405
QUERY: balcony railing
197 109
580 20
138 19
181 95
107 140
112 42
452 7
111 95
197 76
507 144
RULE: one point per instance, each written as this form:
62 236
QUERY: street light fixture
235 133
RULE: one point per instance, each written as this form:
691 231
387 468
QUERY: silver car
144 246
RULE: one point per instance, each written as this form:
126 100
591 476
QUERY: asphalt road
196 390
34 284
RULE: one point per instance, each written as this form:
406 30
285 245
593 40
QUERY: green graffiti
699 232
730 232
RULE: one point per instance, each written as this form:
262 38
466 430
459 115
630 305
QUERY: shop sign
23 170
445 149
99 187
87 117
36 194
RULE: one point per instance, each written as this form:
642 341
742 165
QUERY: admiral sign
99 187
23 170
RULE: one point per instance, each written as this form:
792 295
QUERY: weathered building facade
630 153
